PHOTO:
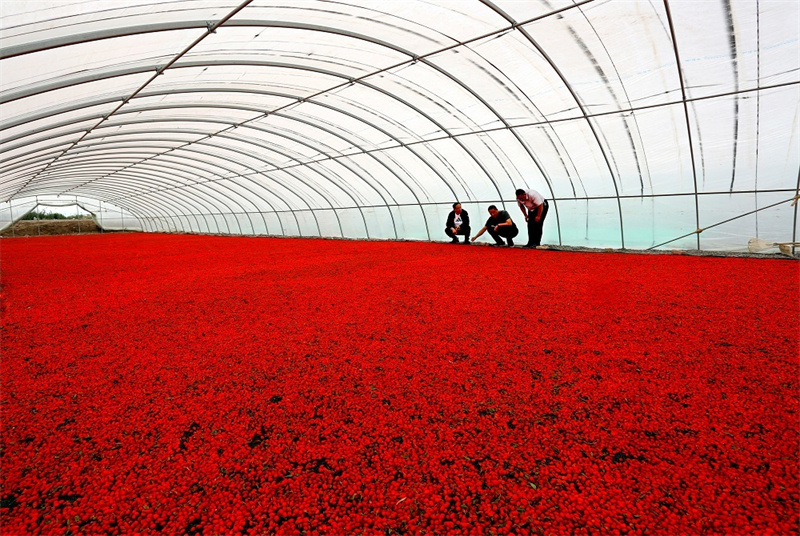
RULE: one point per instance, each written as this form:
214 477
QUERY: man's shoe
510 243
454 241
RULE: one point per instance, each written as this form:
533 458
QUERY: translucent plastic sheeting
647 124
9 213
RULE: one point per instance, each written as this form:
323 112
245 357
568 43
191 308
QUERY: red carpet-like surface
198 384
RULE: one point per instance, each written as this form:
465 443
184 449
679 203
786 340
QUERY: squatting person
499 225
534 207
457 224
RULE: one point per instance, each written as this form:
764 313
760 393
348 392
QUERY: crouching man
457 224
499 225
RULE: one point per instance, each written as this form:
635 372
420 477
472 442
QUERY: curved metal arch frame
64 144
90 161
189 201
313 188
54 149
199 141
150 218
356 174
197 185
127 31
23 168
199 199
630 104
163 166
192 198
322 104
211 28
203 133
107 155
164 176
218 178
268 147
366 227
208 214
686 114
360 81
286 116
71 144
177 208
328 155
138 109
65 192
339 161
516 136
333 74
341 157
85 155
358 37
159 171
295 176
228 21
441 127
262 174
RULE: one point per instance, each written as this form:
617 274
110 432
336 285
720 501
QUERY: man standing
457 224
499 224
534 207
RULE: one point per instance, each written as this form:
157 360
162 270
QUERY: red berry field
179 384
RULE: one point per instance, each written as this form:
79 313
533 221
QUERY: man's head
521 194
457 208
493 211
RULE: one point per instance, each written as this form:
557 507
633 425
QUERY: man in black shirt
499 224
457 224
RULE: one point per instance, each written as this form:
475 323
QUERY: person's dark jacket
452 217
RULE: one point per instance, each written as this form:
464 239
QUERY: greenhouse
359 120
270 333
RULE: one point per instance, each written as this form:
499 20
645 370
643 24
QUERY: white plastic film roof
646 124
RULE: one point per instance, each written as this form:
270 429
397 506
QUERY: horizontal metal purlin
489 201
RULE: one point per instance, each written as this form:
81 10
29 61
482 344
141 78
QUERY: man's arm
522 208
539 211
507 223
483 230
